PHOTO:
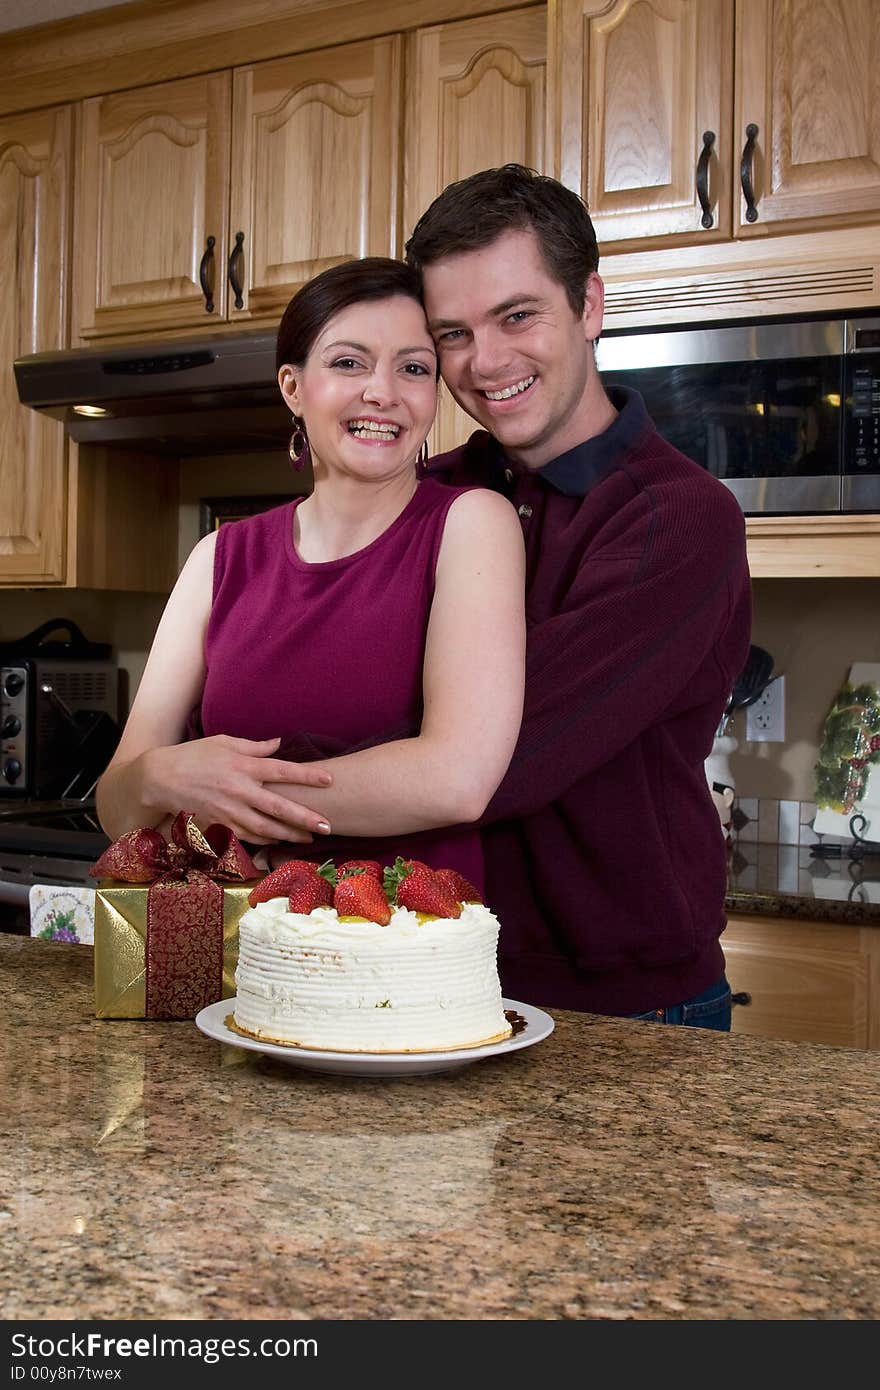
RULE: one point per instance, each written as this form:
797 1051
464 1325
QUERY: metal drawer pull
703 178
741 997
206 264
233 268
745 173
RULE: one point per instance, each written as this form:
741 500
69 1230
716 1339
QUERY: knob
12 770
11 726
13 683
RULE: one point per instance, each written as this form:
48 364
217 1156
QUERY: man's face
513 352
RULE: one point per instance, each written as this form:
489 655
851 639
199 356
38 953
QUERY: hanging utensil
748 687
753 680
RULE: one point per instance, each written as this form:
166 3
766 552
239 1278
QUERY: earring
298 448
423 455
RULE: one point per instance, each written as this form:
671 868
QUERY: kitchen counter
615 1170
775 880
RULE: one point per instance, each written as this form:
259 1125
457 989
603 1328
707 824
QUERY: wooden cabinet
711 119
808 78
214 198
35 175
122 521
64 519
809 981
814 547
640 82
153 188
475 98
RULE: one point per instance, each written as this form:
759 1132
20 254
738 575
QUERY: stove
53 842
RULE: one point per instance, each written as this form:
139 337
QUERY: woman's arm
472 690
152 774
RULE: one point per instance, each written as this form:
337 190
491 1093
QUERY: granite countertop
781 880
615 1170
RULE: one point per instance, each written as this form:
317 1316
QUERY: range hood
176 397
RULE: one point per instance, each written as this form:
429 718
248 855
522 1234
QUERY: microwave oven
786 413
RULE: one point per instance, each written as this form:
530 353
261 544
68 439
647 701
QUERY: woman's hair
353 282
472 213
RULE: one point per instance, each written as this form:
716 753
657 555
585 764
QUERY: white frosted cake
349 985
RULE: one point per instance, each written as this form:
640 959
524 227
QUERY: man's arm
637 641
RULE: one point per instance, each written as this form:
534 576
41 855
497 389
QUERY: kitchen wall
129 621
815 629
234 475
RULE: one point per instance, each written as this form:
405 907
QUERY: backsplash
768 821
814 629
771 853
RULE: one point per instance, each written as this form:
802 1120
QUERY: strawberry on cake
357 959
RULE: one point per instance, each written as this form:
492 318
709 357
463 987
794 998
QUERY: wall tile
789 822
768 821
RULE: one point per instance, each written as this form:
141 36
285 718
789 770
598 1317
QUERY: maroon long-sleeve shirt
605 861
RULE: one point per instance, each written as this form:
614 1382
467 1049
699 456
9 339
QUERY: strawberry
280 881
459 886
361 895
419 889
308 891
366 866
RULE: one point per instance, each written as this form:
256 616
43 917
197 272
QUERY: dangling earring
423 455
298 448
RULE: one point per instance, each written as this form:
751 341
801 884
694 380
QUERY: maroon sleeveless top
329 656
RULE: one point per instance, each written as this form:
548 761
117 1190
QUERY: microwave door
769 429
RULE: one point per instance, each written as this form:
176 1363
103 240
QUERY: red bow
142 856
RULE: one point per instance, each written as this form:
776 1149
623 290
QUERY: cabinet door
35 168
153 188
808 981
475 100
644 115
315 168
809 80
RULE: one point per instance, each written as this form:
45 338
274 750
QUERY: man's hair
472 213
353 282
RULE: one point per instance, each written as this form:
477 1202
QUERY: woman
377 604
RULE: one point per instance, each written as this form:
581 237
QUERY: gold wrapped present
166 920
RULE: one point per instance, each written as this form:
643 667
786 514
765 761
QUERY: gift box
166 920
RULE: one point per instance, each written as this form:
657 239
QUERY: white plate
212 1021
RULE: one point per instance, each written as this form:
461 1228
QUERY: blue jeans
711 1009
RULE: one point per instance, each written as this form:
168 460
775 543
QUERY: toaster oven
58 713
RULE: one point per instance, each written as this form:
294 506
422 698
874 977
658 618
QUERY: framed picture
213 511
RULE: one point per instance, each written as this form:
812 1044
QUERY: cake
335 979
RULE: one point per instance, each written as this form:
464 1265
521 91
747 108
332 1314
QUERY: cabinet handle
745 173
233 268
703 179
206 264
741 997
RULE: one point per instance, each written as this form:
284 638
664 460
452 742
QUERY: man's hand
232 780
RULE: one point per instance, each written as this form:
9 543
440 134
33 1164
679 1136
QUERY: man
604 856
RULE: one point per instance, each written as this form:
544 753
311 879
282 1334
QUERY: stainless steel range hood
188 396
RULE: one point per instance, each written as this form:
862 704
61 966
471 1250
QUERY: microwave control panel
863 441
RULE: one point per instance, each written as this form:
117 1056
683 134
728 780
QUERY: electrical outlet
765 719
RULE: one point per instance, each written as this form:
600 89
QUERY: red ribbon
184 945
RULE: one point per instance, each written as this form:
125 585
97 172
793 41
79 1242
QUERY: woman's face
368 389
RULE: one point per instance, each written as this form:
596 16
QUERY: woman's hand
233 780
